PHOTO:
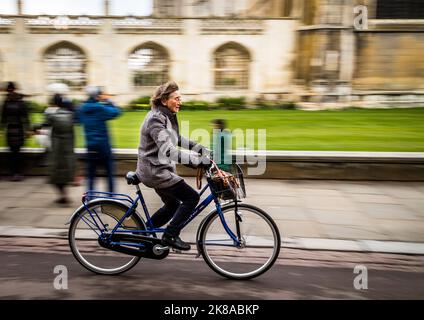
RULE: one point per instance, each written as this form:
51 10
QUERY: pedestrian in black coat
15 120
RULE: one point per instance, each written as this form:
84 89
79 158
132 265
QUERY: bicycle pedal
159 249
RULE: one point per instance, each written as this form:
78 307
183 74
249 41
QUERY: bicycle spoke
259 243
84 239
91 225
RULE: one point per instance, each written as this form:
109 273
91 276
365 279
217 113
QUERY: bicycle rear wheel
259 236
85 230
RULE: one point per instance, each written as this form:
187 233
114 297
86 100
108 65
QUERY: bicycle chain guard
152 249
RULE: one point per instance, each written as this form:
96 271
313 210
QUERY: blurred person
15 120
93 115
43 131
44 138
157 155
221 144
62 158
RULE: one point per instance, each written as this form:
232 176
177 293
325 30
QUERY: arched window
399 9
66 63
149 64
231 67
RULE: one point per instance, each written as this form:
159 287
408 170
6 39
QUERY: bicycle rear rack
92 195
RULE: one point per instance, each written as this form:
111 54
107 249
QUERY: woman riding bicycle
110 222
157 156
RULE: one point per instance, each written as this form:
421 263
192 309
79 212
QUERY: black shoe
175 242
17 177
62 200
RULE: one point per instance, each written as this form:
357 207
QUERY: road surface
28 272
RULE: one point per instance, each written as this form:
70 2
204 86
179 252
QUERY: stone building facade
308 51
361 52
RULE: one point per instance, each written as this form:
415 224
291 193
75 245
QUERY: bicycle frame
149 227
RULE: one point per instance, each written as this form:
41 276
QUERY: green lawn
343 130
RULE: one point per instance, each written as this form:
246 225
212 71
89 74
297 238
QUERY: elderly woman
157 155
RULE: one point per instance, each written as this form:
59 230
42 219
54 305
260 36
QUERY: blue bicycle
107 235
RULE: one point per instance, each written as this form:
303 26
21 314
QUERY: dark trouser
61 188
99 156
15 160
179 202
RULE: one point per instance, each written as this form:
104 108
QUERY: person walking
221 145
15 120
93 115
157 158
62 157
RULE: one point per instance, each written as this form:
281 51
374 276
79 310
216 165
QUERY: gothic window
400 9
168 7
149 64
66 63
231 67
202 8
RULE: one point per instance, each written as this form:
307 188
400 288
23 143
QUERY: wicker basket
229 185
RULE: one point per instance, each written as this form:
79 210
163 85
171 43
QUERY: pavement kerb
321 244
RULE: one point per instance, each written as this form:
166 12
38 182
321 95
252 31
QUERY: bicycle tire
221 263
121 207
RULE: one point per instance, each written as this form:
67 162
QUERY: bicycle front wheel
86 228
260 242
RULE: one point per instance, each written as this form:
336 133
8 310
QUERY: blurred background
310 52
337 84
237 55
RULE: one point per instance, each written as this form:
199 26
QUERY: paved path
28 272
303 209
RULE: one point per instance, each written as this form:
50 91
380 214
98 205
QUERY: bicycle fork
237 236
238 221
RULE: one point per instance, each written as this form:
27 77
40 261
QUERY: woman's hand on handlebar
205 162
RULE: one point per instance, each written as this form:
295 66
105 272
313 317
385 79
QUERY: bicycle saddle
132 178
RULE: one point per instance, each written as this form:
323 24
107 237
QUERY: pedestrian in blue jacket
93 115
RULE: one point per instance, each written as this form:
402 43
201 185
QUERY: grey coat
158 152
62 157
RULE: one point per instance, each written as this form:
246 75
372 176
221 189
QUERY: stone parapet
320 165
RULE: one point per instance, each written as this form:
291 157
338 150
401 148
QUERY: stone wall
339 65
190 44
288 165
307 51
389 61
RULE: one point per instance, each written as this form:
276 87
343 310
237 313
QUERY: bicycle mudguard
83 207
74 214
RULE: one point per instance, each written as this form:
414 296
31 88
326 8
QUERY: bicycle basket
229 185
